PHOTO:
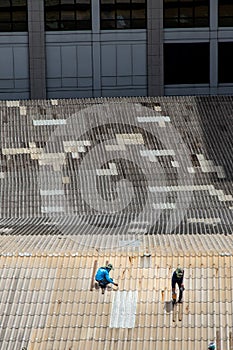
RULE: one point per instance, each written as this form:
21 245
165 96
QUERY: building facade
91 48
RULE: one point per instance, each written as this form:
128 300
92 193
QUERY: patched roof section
126 165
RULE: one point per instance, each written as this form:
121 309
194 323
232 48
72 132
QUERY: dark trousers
103 283
179 282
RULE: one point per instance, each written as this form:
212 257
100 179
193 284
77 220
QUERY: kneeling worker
103 278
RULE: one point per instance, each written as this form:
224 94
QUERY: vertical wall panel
53 62
108 60
68 58
14 67
84 61
20 63
6 63
139 60
124 60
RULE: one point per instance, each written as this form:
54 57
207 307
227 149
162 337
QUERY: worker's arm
109 279
182 282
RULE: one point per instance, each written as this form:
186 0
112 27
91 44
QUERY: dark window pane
19 27
83 15
225 59
53 25
108 24
19 16
140 13
138 23
107 2
186 63
5 27
225 13
123 2
108 15
5 16
52 16
67 2
67 15
83 25
5 3
201 22
18 2
123 14
49 3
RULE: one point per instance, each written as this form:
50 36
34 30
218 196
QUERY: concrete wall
37 60
155 47
93 63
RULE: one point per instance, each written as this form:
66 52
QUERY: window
186 13
13 16
225 13
225 59
123 14
68 14
186 63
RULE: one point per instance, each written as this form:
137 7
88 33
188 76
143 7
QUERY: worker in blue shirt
103 278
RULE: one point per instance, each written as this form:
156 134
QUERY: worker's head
109 267
179 272
212 346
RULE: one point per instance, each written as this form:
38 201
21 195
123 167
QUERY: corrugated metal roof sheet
46 302
124 165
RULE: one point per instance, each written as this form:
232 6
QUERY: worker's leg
173 291
180 293
103 285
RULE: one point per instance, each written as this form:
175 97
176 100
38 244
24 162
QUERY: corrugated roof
48 301
143 183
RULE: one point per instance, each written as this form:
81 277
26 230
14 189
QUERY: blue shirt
102 274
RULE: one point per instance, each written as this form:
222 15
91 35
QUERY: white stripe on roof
123 312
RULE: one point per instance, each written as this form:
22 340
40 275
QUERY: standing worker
211 346
178 278
103 278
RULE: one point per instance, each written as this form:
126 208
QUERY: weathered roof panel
129 165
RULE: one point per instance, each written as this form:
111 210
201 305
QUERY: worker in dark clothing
103 278
178 278
212 346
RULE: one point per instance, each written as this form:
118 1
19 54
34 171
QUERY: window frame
127 23
12 24
67 25
181 4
